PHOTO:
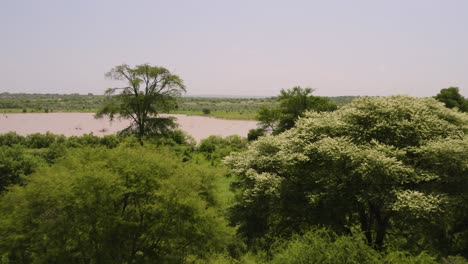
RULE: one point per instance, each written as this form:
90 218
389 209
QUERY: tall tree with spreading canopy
150 90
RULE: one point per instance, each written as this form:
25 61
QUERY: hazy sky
359 47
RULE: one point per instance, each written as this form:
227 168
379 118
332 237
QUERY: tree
255 133
268 118
360 166
452 98
151 89
293 103
296 101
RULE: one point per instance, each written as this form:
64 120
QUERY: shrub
11 138
323 246
38 140
15 164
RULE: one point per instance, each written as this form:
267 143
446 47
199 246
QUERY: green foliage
293 103
15 164
38 140
47 140
11 138
399 257
125 205
206 111
454 260
151 90
109 141
227 108
255 133
361 166
322 246
172 138
296 101
215 147
449 160
38 103
268 118
452 98
342 100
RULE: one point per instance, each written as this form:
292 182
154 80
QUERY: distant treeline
11 102
233 108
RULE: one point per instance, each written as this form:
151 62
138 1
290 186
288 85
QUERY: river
75 124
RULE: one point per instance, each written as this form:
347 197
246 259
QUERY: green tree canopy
124 205
452 98
360 166
150 90
293 103
15 164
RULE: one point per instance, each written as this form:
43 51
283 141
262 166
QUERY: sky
238 47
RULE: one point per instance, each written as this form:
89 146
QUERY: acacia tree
364 165
293 103
150 90
452 98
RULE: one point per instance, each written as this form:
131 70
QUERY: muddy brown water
75 124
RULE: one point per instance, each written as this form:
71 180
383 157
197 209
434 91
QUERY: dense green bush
215 147
38 140
124 205
15 164
11 138
172 138
255 133
325 247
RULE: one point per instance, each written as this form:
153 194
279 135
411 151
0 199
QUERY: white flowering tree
364 166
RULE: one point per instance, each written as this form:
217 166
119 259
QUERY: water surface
75 124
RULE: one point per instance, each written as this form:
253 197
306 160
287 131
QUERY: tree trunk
381 231
381 223
141 132
365 225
